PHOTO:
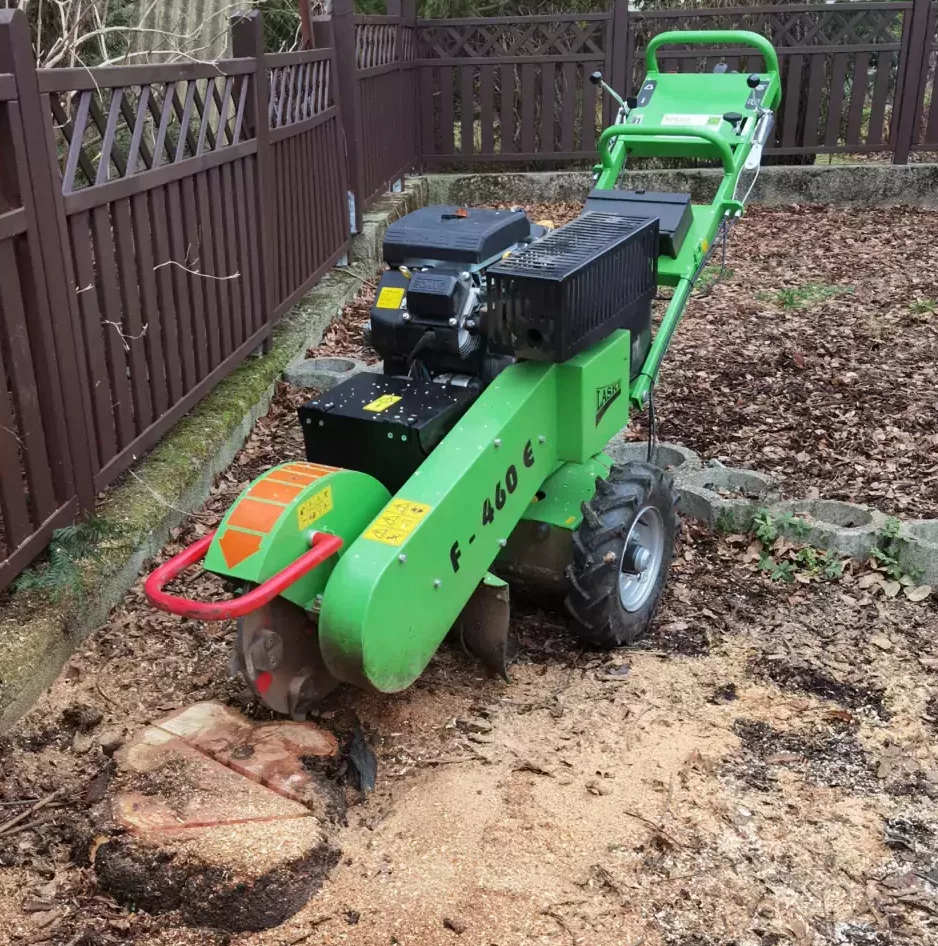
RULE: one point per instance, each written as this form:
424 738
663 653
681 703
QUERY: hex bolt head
437 583
406 316
498 442
452 323
502 543
542 439
402 558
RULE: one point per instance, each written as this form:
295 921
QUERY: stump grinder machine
512 353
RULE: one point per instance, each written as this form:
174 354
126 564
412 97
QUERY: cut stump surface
219 818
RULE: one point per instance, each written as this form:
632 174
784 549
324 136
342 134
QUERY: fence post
616 42
247 42
52 318
912 80
395 8
409 18
621 41
346 59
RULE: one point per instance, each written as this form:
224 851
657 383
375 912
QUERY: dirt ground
761 770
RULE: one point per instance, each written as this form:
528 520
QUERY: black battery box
382 425
672 210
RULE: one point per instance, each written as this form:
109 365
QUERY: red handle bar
323 545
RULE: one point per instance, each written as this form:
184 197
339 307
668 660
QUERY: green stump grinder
512 354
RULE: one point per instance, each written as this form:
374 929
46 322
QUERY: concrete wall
861 185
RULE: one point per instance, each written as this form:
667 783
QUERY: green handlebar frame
712 38
663 131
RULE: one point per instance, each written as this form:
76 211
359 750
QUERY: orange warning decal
318 469
288 476
236 546
276 492
250 514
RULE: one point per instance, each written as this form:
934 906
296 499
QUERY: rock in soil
219 818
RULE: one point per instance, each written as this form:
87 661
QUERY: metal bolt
464 275
542 439
402 558
322 423
502 543
497 442
406 316
437 583
470 323
452 323
309 421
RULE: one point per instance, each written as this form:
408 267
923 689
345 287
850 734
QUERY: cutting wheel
277 650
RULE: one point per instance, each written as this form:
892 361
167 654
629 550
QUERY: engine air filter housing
570 290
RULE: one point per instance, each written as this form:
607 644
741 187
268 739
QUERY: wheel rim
641 559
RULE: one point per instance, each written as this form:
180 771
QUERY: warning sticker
382 403
390 297
396 523
694 121
313 508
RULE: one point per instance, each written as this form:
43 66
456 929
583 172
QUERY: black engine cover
469 237
381 425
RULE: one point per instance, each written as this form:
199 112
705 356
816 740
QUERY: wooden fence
156 220
858 77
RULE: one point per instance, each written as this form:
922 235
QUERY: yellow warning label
382 403
390 298
396 523
314 507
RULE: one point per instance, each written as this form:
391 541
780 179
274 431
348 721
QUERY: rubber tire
593 598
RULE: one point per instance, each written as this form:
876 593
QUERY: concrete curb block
728 497
324 372
37 636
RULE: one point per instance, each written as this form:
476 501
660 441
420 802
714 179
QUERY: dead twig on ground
314 925
45 819
9 825
656 828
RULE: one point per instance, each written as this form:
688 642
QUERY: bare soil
761 770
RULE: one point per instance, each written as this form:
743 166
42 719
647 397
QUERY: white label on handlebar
696 121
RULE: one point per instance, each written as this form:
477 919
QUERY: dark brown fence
40 418
858 77
379 92
182 209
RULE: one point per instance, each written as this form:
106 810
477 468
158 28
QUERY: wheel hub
641 559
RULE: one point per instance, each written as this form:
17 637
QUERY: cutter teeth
234 663
283 667
265 652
